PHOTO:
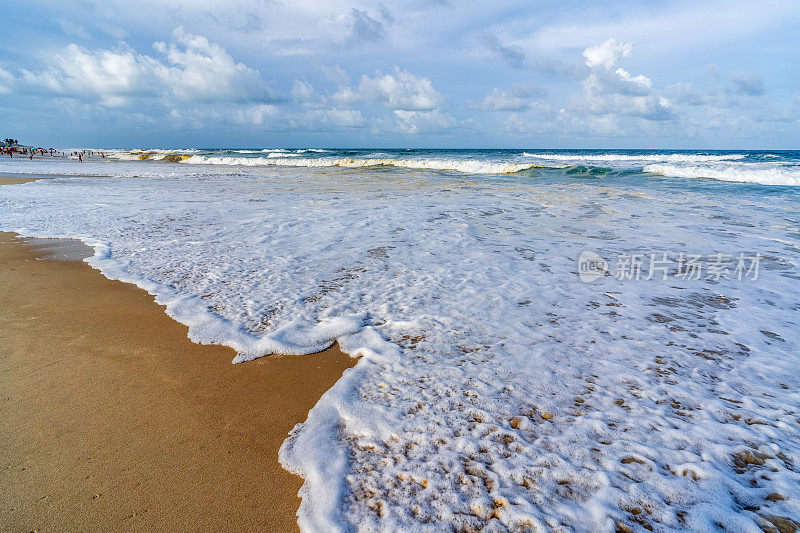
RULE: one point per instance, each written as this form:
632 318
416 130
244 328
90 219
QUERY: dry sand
111 419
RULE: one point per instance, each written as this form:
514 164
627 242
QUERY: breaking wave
472 166
772 175
676 158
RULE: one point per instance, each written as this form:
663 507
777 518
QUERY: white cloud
607 54
664 28
400 90
192 70
108 74
595 86
305 94
6 79
608 92
257 115
199 70
651 107
336 74
639 81
302 91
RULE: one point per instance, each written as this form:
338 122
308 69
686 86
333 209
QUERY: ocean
547 338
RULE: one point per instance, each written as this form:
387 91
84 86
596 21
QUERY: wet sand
9 180
111 419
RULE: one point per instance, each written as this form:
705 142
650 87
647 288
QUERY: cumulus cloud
191 69
400 90
199 70
302 91
602 81
307 96
616 92
607 54
110 75
256 115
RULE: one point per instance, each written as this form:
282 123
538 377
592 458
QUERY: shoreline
111 418
19 179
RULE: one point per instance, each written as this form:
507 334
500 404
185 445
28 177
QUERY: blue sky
615 74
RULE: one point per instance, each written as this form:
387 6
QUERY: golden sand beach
111 419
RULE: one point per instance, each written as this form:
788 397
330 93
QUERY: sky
405 73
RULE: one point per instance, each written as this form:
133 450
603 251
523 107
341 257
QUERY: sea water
502 384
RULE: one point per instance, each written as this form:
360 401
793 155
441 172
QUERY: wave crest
738 173
674 158
472 166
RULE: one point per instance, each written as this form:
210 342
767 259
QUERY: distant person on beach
80 158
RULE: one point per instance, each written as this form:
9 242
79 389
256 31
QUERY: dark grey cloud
748 84
513 55
516 57
364 27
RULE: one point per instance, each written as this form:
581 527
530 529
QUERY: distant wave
732 167
673 158
153 156
472 166
740 173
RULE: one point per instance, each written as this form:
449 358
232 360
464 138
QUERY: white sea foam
474 166
666 157
495 390
747 173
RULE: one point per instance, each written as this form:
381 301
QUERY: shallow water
496 388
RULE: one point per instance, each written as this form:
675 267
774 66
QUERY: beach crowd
30 152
